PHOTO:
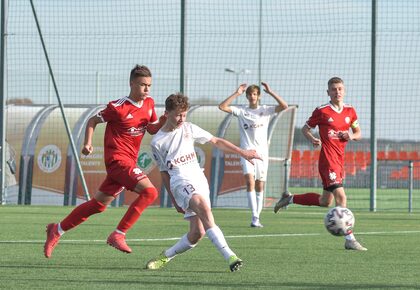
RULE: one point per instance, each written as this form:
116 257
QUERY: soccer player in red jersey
127 121
334 121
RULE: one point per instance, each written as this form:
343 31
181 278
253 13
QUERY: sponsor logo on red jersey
133 131
332 134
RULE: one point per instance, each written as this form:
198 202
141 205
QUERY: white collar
335 109
135 103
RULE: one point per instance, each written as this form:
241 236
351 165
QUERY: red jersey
126 124
330 122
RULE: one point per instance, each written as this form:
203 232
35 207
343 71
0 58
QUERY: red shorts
331 174
120 175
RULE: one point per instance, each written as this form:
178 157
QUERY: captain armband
355 124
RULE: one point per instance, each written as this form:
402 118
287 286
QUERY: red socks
85 210
309 198
145 198
81 213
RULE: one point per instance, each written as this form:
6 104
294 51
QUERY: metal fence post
410 186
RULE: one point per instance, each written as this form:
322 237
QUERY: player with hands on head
253 129
185 182
337 123
127 118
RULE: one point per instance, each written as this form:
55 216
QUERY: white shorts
259 169
184 191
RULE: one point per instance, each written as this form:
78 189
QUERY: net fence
294 45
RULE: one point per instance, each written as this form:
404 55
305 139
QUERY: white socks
120 232
214 234
218 239
350 237
60 230
256 203
181 246
252 203
260 202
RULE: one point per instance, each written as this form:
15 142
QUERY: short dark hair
335 80
177 101
140 71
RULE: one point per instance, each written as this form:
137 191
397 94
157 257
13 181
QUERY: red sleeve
314 119
354 122
109 113
153 126
153 116
354 115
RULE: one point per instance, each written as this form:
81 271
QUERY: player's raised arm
282 105
90 128
225 105
227 146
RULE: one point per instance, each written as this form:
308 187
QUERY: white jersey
174 152
253 126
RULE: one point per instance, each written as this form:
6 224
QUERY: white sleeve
200 135
270 110
236 111
158 158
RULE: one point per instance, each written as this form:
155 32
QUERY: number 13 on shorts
189 189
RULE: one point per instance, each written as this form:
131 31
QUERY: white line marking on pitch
229 237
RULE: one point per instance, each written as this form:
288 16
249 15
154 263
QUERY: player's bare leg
339 196
327 198
350 240
187 242
147 193
200 206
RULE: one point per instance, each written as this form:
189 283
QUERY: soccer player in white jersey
173 150
253 129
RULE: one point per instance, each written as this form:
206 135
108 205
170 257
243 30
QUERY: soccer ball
339 221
